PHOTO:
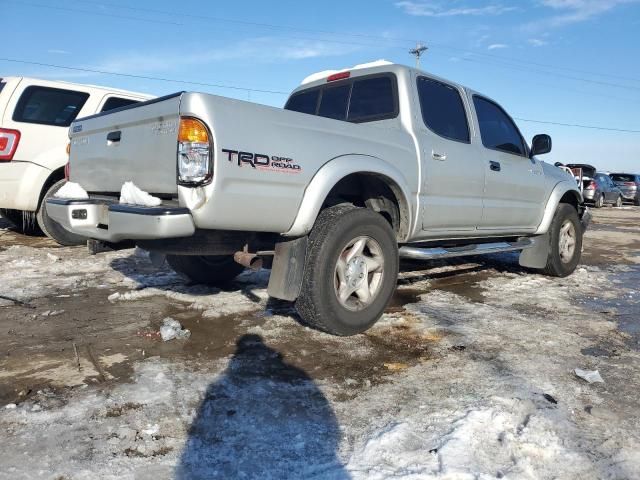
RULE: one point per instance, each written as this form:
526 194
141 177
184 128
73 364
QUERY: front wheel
565 237
351 270
619 202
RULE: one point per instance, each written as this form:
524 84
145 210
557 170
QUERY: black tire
318 303
556 265
214 270
23 221
618 203
636 202
599 201
50 227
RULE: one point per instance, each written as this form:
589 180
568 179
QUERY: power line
145 77
259 90
592 127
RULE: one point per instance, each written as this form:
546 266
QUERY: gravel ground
469 374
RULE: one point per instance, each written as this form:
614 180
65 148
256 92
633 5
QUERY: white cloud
261 50
58 51
575 11
496 46
536 42
438 8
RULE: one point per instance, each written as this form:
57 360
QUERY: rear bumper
21 184
112 222
630 194
588 195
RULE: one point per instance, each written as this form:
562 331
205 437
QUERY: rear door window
442 109
117 102
334 101
305 102
497 130
49 106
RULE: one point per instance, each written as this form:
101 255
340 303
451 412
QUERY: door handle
495 166
439 156
114 136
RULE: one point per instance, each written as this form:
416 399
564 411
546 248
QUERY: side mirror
540 144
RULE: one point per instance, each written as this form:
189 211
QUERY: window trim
350 81
20 105
464 109
524 143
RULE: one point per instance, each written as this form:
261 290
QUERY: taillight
67 171
592 186
630 184
195 165
9 140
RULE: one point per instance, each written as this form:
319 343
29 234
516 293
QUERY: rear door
453 174
515 193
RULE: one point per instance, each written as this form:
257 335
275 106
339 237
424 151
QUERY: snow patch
132 195
72 190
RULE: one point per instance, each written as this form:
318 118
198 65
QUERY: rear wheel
215 270
565 237
50 227
636 202
351 270
599 203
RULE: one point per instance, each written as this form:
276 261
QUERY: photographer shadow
263 418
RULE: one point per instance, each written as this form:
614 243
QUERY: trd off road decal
263 162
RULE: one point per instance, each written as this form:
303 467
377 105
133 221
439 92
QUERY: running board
476 249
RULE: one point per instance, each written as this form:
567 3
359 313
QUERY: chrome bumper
112 222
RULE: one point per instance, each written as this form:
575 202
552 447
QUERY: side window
305 102
333 102
372 98
497 130
49 106
443 110
115 102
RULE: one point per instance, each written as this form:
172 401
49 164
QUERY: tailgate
135 143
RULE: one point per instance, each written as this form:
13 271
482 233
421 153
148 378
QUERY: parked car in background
597 187
34 121
629 185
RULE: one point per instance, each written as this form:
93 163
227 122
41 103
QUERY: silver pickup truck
361 167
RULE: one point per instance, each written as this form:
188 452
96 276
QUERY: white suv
34 120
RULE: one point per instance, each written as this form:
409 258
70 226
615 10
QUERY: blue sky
566 61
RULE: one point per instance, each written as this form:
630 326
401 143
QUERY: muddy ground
468 375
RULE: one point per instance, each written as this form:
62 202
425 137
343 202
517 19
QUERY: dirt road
468 375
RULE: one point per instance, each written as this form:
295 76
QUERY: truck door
515 193
453 179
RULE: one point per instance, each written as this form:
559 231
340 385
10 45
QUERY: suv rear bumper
113 222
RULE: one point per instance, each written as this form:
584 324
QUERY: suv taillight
592 185
9 140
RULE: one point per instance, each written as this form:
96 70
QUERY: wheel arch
563 192
380 185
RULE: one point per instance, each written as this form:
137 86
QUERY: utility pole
418 51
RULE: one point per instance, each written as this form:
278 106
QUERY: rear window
49 106
443 110
622 177
305 102
116 102
361 99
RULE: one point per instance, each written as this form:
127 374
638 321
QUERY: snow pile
72 190
132 195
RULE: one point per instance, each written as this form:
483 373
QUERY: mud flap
288 269
536 256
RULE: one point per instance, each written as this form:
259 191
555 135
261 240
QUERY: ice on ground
132 195
72 190
171 329
591 376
